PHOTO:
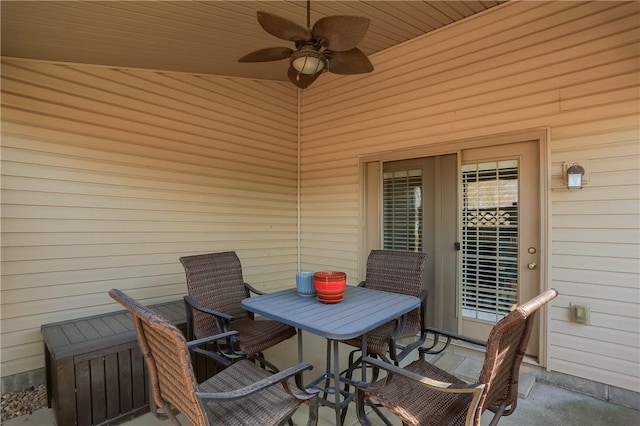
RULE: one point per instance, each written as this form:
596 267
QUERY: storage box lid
88 334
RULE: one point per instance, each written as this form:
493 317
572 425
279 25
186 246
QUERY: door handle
532 265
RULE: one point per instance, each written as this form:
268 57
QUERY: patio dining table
360 311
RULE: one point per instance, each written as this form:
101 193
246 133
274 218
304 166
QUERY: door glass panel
402 210
489 239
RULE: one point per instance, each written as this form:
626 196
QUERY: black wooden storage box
95 371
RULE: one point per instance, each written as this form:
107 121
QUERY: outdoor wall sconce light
575 176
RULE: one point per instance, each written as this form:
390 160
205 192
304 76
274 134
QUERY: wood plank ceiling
202 37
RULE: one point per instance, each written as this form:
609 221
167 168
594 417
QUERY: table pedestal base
330 383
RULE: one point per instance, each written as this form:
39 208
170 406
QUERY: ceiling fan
329 46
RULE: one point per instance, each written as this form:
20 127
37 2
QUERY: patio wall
109 176
570 68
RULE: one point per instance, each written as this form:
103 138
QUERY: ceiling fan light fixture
309 61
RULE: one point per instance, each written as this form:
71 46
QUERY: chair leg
498 414
153 407
379 413
352 366
166 413
171 416
327 381
362 417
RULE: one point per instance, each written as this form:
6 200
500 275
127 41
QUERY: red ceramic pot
330 286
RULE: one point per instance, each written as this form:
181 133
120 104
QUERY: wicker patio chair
241 394
422 394
398 272
216 288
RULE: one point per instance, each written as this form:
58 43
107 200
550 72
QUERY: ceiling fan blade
301 80
350 62
268 54
282 27
340 33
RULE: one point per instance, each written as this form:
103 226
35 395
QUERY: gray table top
360 311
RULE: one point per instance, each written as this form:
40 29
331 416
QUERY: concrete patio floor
539 404
546 405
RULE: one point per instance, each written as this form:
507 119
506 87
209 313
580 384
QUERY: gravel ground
16 404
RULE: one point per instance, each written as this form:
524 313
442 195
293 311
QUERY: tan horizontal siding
601 321
110 175
622 236
216 155
569 67
625 308
569 366
599 278
596 252
624 251
622 355
614 337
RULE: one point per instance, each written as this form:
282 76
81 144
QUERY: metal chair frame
241 394
422 394
216 288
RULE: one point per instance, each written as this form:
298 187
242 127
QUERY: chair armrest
224 355
475 389
252 289
406 349
457 336
195 305
423 296
402 321
213 338
448 336
221 319
430 383
280 377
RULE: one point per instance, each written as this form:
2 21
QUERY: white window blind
402 210
489 239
